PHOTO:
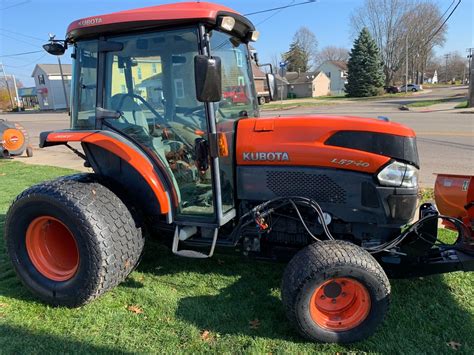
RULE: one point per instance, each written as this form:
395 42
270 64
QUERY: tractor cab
156 79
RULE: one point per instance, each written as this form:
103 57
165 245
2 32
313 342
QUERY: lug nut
333 300
323 297
343 294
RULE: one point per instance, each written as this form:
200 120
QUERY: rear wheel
334 291
261 100
71 239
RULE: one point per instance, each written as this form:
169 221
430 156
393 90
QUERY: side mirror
272 86
208 76
55 48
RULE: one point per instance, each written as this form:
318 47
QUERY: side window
41 79
84 85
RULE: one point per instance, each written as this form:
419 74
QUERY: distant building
28 97
309 84
336 71
432 78
49 87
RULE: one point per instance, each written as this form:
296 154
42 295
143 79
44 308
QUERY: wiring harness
261 216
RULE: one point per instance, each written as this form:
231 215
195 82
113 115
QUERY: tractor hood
341 142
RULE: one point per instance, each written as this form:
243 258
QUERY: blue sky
328 19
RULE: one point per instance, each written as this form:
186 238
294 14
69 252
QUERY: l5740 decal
347 162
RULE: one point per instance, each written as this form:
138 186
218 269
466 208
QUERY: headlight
399 175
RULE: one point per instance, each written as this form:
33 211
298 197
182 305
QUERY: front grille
319 187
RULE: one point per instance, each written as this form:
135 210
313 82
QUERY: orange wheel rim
340 304
52 248
13 139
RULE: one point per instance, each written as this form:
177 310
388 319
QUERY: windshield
238 91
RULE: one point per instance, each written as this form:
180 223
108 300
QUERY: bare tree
308 43
332 53
421 23
392 22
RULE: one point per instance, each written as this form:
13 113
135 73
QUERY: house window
239 59
153 68
41 79
139 73
123 89
179 88
241 81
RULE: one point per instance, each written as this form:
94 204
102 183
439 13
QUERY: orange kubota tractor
172 157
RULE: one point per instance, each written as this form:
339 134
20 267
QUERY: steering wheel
148 106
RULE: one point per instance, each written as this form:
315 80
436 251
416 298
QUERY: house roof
301 78
340 64
53 69
257 72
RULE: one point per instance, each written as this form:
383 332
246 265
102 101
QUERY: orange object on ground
52 248
454 196
340 304
13 139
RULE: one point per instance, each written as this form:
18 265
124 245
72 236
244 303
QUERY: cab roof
154 16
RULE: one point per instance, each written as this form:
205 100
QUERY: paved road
445 138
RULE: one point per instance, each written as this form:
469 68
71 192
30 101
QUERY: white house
336 71
49 86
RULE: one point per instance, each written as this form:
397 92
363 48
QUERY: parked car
391 89
236 95
411 87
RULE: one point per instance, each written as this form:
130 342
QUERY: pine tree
365 75
296 58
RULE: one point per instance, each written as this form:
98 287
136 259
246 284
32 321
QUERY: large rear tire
72 239
335 292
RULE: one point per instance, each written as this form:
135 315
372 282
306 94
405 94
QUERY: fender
118 146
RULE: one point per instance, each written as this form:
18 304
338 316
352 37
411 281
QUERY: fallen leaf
93 192
454 345
135 309
205 335
3 174
2 305
254 324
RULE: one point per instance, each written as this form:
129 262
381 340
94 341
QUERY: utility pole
8 85
446 57
406 64
470 75
64 84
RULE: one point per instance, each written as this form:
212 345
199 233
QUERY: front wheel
261 100
335 292
71 239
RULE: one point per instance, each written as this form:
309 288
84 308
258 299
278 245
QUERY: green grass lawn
426 103
173 305
462 104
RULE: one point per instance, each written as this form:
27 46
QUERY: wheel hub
340 304
52 248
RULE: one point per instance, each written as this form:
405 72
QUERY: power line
272 15
15 5
444 22
23 35
17 54
19 40
28 64
279 8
